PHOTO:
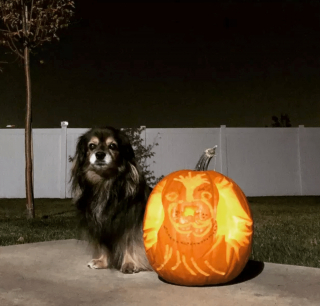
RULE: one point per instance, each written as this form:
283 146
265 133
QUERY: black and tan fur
110 193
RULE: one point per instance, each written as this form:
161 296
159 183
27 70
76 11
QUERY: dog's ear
77 164
81 150
126 148
125 145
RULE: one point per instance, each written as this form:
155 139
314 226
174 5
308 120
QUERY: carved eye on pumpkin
172 196
197 227
206 195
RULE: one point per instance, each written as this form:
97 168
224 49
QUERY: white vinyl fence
262 161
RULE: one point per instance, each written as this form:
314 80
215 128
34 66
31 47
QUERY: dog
111 193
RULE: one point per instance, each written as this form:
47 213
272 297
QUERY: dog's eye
113 146
92 146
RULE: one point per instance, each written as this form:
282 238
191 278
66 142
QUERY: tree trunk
28 139
28 122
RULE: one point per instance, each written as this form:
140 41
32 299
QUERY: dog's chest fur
108 213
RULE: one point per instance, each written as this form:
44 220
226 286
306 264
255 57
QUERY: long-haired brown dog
110 193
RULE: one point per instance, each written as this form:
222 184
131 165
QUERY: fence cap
64 123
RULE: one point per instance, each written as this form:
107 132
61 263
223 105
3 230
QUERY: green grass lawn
55 220
286 229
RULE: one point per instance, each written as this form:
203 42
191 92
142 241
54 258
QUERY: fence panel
12 164
310 160
47 161
264 161
181 148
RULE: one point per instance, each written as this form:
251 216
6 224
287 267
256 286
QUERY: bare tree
284 121
25 25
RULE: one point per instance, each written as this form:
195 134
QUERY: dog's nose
100 155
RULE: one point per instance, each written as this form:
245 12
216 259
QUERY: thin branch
23 19
13 46
15 50
18 31
36 32
17 57
31 9
39 43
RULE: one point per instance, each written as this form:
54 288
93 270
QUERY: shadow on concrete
251 270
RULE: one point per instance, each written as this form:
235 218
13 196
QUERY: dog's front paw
129 268
97 264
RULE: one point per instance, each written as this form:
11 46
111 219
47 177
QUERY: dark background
173 65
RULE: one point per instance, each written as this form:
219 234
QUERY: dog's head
102 154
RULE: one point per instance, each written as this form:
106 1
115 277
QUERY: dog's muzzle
100 155
100 159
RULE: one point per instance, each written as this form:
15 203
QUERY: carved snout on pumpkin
191 217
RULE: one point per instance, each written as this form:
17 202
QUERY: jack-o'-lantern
198 227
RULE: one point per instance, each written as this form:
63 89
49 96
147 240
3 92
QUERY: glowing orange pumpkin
198 227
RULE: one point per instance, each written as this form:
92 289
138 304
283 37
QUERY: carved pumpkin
197 227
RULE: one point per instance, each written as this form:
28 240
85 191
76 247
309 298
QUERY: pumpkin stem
205 158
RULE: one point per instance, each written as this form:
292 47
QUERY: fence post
63 160
223 150
300 135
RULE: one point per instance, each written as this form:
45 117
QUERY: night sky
173 65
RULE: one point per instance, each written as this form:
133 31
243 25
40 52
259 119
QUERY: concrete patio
55 273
